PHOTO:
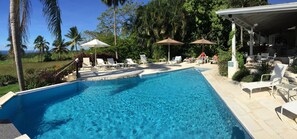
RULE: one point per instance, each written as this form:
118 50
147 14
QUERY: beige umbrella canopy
169 42
202 41
95 43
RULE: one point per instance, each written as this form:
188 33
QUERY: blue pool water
178 104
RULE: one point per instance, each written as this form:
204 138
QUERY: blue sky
80 13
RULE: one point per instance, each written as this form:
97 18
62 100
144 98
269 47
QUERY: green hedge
7 79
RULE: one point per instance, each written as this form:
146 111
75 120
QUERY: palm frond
25 11
52 13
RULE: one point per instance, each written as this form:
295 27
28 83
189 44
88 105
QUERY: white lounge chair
101 63
176 60
111 63
130 62
290 106
275 79
143 59
86 63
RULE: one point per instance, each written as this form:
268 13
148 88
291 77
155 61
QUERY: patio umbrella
169 42
95 43
202 41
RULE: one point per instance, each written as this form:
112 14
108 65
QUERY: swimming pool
178 104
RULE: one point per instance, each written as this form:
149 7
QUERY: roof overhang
265 19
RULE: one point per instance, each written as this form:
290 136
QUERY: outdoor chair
290 106
130 62
111 63
101 63
143 59
86 63
177 59
275 79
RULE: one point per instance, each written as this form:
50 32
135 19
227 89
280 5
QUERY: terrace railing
61 70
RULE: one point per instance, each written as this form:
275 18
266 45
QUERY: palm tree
74 36
60 47
41 44
10 51
19 13
115 4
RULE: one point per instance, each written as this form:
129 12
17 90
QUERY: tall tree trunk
76 48
16 40
42 54
241 37
115 31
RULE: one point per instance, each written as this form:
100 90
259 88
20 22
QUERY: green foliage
11 52
240 74
240 60
75 37
124 16
246 3
293 69
47 57
8 88
42 77
205 23
265 68
154 22
224 57
2 57
7 79
42 45
248 78
231 34
60 47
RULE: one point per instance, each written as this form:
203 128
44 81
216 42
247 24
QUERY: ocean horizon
5 52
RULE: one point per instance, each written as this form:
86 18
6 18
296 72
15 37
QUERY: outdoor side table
287 88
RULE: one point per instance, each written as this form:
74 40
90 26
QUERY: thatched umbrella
202 41
169 42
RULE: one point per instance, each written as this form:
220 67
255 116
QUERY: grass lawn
7 67
6 89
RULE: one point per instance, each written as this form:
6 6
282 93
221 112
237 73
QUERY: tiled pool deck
259 114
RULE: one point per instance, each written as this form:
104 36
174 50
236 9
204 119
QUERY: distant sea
5 52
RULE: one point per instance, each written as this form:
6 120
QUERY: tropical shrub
38 78
7 79
264 69
293 69
47 57
249 78
240 60
2 57
241 74
224 57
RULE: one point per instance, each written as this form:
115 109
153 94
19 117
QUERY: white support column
233 42
251 43
233 64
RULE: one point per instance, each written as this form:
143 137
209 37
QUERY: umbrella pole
95 56
168 53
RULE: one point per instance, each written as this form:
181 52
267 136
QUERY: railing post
76 68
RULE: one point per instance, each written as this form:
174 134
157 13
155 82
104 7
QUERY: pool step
8 130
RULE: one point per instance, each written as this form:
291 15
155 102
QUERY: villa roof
266 19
